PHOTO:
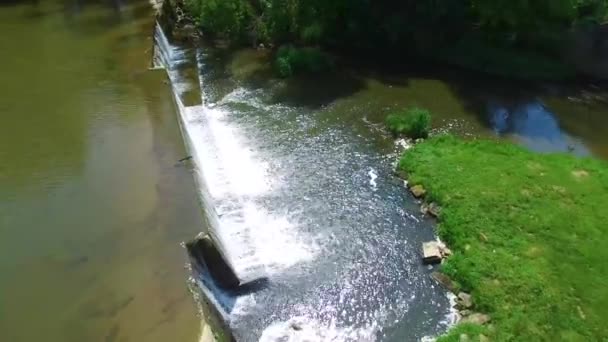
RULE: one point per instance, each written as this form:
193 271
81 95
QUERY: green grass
413 122
529 234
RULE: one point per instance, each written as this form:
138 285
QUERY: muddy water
92 205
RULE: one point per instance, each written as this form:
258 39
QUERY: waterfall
206 138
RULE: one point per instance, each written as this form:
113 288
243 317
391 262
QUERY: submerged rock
445 281
431 209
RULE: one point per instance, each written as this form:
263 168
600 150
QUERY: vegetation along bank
513 38
528 234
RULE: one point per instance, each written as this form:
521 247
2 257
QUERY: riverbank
527 233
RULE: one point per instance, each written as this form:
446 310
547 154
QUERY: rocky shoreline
437 252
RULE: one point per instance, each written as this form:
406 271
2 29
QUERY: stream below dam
294 177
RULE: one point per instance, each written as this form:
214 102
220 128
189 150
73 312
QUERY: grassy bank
529 234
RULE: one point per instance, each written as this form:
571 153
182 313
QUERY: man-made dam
310 207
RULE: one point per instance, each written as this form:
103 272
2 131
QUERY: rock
464 300
418 191
445 252
581 313
400 173
261 47
295 326
465 313
483 237
444 281
434 210
476 318
483 338
464 338
424 209
431 252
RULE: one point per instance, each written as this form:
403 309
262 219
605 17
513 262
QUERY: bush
230 19
291 60
472 52
413 122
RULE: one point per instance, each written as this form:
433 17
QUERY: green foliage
291 60
472 53
413 122
511 34
520 16
227 18
528 234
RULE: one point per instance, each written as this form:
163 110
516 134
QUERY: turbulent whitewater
309 202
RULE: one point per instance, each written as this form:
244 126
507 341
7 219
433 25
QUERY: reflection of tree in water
534 124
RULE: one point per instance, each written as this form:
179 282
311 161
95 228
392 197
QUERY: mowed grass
529 234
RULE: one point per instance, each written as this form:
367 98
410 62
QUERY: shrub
413 122
291 60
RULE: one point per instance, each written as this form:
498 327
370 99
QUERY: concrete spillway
208 142
300 209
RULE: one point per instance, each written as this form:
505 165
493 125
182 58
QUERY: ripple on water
325 220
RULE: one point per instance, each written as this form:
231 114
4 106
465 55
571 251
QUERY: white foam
277 242
303 329
403 144
372 177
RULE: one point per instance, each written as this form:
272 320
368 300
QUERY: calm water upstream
92 206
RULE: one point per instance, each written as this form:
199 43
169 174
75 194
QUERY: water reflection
534 125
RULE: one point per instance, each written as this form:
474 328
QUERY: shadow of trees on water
495 105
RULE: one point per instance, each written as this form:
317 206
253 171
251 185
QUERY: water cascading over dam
224 211
302 211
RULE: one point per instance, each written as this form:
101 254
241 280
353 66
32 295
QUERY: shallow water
93 207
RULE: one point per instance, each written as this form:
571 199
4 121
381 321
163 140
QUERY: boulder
434 210
431 252
483 338
445 252
476 318
463 338
444 281
418 191
465 313
464 300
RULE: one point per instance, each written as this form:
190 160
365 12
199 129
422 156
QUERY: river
300 173
94 205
